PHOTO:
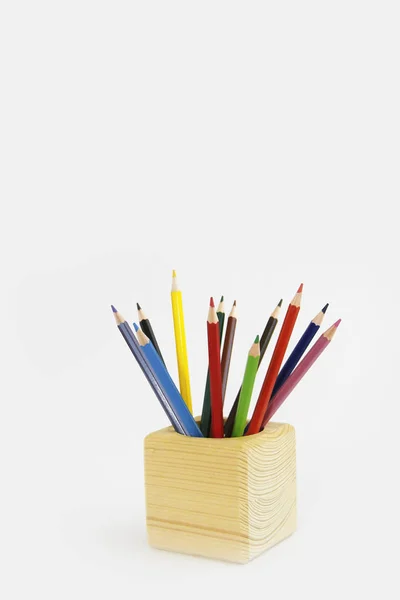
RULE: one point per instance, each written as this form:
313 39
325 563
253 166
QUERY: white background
250 146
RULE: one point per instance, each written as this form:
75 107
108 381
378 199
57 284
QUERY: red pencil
214 363
275 364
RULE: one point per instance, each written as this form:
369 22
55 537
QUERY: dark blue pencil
299 350
134 347
167 385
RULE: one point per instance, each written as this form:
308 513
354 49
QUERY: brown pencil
227 350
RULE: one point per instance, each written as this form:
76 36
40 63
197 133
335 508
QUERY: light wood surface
229 499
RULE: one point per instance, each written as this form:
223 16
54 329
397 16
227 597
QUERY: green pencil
247 388
205 423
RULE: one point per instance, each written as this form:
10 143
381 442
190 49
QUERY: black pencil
264 341
147 329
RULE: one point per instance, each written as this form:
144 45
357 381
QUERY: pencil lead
337 323
325 308
234 304
280 302
113 308
256 341
212 302
136 326
138 306
174 273
300 289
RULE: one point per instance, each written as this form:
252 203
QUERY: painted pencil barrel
166 383
148 330
295 356
245 396
295 377
181 349
205 423
142 361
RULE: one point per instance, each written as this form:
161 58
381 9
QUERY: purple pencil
300 371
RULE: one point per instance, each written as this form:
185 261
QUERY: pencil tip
222 299
138 306
212 301
325 308
337 323
136 326
300 289
256 341
113 308
280 302
234 303
174 273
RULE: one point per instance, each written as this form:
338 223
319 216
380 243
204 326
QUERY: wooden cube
228 499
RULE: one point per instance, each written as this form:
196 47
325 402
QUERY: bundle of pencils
280 380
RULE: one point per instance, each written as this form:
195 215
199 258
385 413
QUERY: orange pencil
275 364
214 365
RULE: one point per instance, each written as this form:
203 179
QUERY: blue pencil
168 386
134 347
299 350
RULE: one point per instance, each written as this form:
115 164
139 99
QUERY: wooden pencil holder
229 499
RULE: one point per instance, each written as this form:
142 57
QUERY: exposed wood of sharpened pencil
147 329
214 362
227 349
205 422
275 364
299 372
299 349
264 341
148 372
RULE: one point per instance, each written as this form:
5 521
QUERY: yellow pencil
180 342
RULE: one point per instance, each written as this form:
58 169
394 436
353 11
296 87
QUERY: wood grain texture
228 499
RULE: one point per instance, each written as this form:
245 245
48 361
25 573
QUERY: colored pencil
167 385
300 371
227 349
264 341
180 342
214 363
299 350
134 347
205 422
221 318
275 364
147 329
247 388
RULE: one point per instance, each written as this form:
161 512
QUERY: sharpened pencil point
212 301
300 289
256 341
337 323
325 308
280 302
174 273
138 306
234 303
222 299
136 326
113 309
